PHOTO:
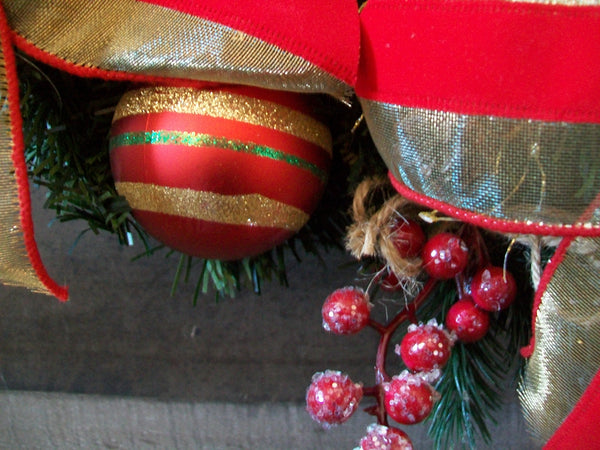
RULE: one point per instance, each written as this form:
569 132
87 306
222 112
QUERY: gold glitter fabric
567 351
15 267
527 171
244 209
140 38
225 105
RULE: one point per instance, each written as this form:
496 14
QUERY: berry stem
381 375
377 410
408 312
477 243
460 285
377 326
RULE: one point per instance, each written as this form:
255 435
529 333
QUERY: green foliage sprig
65 125
477 376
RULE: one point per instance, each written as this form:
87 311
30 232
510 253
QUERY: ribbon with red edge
20 262
489 111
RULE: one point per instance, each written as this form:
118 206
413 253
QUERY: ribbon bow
488 111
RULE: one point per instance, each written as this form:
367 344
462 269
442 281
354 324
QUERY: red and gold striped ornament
220 173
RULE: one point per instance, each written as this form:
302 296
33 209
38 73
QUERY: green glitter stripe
206 140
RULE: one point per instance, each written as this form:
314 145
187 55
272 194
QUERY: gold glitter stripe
226 105
527 171
141 38
15 267
244 209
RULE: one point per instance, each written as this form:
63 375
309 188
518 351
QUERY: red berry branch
407 313
409 397
386 332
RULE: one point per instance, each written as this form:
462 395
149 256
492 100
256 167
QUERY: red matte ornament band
517 60
209 236
323 33
220 127
232 173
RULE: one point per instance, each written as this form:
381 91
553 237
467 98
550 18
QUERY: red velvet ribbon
506 59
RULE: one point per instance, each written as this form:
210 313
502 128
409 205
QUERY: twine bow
371 233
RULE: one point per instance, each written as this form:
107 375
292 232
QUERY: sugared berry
332 397
346 311
468 322
408 237
493 288
408 398
444 256
425 347
380 437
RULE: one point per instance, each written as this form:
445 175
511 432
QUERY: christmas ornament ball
221 172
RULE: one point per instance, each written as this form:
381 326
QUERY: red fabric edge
500 225
579 429
18 157
506 59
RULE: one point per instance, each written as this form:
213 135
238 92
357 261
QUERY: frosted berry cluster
409 397
491 289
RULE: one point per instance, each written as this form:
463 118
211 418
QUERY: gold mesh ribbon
567 351
142 38
15 266
517 170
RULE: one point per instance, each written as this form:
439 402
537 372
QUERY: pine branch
65 124
477 375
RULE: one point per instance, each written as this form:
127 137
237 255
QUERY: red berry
380 437
469 322
346 311
425 347
493 288
408 398
332 397
408 238
390 282
445 255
